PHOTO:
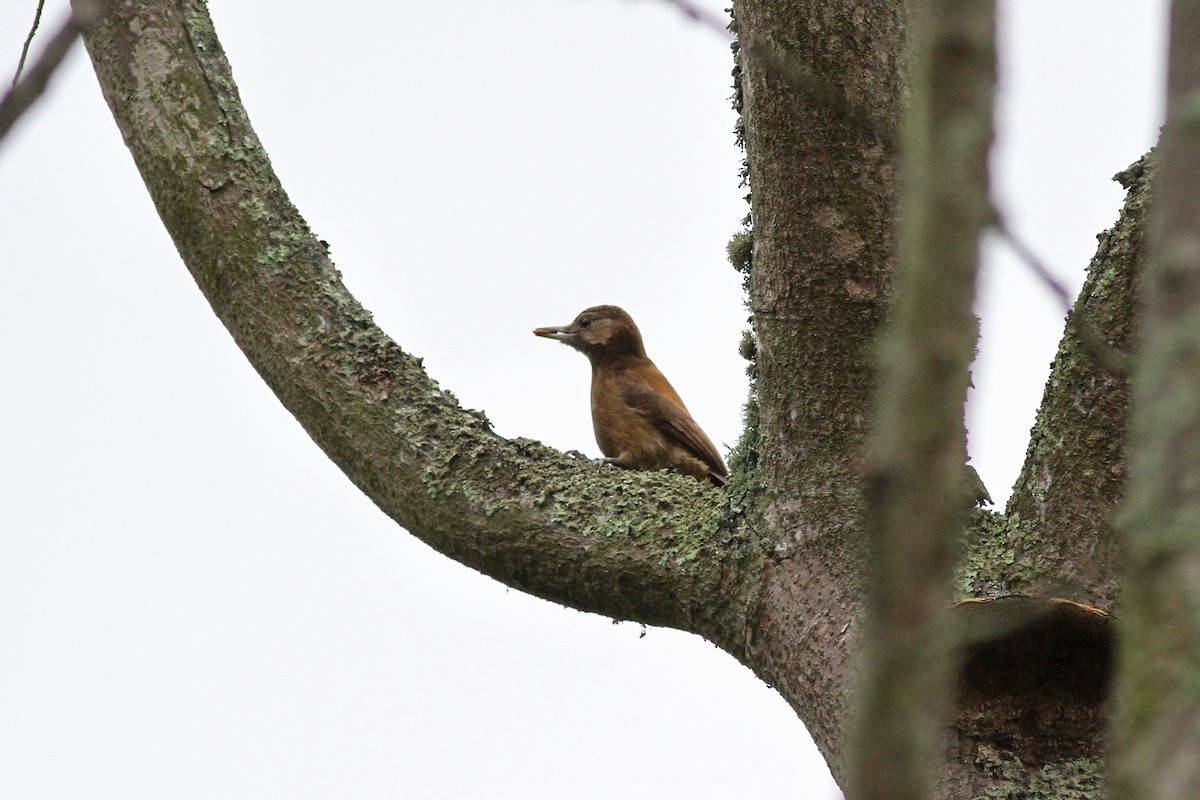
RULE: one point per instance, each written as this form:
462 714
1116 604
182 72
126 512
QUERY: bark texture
823 199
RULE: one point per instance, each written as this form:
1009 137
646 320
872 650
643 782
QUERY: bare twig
712 21
37 19
25 92
1106 356
1035 264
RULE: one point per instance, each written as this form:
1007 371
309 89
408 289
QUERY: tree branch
1104 354
24 92
917 500
649 547
1056 538
37 20
1156 731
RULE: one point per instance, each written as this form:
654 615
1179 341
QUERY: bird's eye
585 322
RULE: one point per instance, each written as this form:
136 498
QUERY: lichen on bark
1056 537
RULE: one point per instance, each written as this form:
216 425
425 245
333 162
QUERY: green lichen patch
1072 779
991 564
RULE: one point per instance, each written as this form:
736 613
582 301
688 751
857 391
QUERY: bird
637 416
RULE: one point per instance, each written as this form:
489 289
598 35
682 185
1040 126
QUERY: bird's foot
613 461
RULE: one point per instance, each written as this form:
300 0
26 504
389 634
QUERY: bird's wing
674 421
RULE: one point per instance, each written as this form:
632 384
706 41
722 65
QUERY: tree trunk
771 570
820 279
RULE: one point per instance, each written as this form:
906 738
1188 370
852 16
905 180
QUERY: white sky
194 603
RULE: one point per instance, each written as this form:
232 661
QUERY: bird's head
601 333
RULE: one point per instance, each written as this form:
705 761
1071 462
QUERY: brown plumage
639 420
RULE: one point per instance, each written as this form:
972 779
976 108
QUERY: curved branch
652 548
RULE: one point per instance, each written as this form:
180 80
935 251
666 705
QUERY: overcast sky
194 603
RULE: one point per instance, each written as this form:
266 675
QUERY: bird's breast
623 431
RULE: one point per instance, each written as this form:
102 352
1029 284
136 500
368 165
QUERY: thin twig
712 21
37 19
1035 264
1106 356
27 90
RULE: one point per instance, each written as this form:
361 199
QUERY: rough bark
1057 538
823 196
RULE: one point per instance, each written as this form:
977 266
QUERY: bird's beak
562 334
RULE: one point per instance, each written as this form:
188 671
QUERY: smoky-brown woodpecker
639 420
